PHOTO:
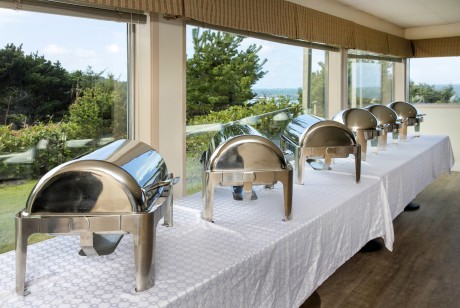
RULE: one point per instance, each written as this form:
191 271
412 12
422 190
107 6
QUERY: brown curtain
437 47
285 19
370 40
316 26
273 17
170 7
399 47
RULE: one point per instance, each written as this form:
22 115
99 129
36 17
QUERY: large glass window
370 81
231 78
63 92
434 80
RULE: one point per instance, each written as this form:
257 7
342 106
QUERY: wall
443 119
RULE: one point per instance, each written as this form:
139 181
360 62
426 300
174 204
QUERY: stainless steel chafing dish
240 156
311 137
409 116
362 123
121 188
388 122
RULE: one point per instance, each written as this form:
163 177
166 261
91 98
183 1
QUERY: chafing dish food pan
311 137
121 188
362 123
408 115
238 156
388 122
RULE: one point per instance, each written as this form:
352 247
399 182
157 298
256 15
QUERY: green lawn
13 198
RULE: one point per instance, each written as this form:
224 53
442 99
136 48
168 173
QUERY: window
231 78
370 81
63 92
434 80
315 82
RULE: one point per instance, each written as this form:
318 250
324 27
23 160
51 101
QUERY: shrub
46 155
262 115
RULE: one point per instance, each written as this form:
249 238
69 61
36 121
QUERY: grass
13 198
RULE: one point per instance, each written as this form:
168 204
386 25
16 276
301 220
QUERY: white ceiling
410 13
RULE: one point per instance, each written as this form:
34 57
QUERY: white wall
443 119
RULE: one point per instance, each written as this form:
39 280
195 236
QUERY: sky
79 42
284 62
76 42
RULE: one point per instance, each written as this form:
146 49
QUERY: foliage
317 91
31 87
42 105
257 110
262 115
219 75
91 115
368 95
425 93
50 153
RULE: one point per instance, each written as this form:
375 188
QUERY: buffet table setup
250 255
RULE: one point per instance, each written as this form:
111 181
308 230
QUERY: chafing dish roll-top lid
241 147
406 111
241 157
125 176
362 123
386 117
310 137
121 188
356 119
311 131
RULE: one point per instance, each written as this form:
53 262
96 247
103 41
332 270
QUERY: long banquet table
248 257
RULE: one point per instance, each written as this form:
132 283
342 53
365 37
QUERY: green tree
317 91
369 95
92 113
425 93
31 88
219 75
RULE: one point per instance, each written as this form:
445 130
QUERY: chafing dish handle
167 211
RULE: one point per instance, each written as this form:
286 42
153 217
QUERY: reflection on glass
237 79
56 103
369 82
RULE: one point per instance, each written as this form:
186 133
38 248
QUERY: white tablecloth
249 257
406 168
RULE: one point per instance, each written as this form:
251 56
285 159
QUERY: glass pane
434 80
317 100
369 82
234 78
63 92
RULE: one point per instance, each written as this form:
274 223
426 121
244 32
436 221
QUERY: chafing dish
240 156
121 188
388 122
409 116
311 137
362 123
